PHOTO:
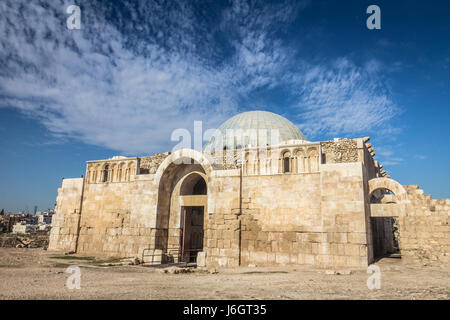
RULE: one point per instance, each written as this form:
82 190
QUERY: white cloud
128 85
388 155
393 162
341 98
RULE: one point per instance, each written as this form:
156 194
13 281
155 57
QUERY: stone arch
112 172
286 161
132 169
120 167
96 173
190 183
384 216
313 160
389 184
179 156
105 175
177 168
299 160
89 174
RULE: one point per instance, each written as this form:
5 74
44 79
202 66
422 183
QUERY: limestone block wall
222 224
313 218
345 216
425 229
63 234
280 218
118 218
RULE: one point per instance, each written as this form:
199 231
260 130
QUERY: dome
252 129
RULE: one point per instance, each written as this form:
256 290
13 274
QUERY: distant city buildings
21 223
23 227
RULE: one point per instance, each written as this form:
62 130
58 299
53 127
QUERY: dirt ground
38 274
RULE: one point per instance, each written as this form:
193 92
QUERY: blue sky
137 70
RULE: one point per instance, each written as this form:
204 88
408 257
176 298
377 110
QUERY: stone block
201 259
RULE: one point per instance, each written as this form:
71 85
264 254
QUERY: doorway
385 229
192 233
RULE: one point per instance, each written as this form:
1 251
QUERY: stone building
23 227
259 193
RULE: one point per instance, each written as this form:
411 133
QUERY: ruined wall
63 234
421 228
425 229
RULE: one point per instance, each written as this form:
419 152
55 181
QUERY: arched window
105 173
193 184
286 162
120 171
286 165
199 187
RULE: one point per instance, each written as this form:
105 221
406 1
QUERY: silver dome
252 129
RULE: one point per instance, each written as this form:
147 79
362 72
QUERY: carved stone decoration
151 164
340 151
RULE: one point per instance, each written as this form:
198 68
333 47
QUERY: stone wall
150 164
345 218
317 213
64 232
339 151
425 229
222 226
117 218
310 218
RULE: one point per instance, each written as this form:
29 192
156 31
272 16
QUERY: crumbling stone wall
425 229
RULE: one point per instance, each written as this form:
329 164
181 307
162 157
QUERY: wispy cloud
138 70
420 156
342 98
388 156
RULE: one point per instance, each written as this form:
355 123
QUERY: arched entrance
182 205
387 202
193 192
